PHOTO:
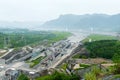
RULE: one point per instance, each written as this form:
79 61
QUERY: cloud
42 10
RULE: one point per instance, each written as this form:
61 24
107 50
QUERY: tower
6 41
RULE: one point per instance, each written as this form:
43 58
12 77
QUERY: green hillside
20 39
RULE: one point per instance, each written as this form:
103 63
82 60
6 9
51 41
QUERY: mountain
19 25
96 21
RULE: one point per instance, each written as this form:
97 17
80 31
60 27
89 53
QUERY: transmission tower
6 41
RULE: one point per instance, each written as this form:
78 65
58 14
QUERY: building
11 74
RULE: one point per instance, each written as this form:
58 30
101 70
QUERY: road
69 52
76 38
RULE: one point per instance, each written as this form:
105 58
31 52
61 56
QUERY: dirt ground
93 61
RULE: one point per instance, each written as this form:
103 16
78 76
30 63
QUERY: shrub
96 70
104 48
64 66
59 76
23 77
116 60
90 76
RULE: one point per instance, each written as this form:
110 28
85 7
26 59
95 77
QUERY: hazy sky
42 10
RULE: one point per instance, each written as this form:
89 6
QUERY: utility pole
5 42
118 36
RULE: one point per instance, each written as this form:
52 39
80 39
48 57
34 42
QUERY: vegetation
111 69
23 77
36 61
84 65
90 76
116 60
103 48
20 39
95 74
98 37
116 77
64 66
60 36
59 76
96 70
1 40
77 56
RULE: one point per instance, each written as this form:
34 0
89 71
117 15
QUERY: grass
59 76
95 74
59 36
33 38
23 77
97 37
79 68
96 70
90 76
64 66
77 56
84 65
36 61
116 76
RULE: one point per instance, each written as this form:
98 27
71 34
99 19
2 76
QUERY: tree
23 77
116 60
59 76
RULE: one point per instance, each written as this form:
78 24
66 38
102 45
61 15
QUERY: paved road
73 39
69 52
77 37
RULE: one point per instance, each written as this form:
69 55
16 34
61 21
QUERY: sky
44 10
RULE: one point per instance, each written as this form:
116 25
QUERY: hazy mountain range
20 25
72 22
94 21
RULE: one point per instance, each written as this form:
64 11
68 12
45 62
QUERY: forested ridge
103 48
